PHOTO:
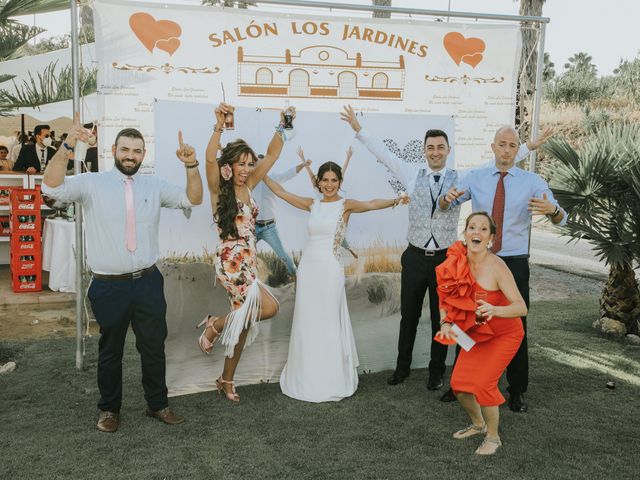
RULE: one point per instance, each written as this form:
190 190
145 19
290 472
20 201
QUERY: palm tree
580 63
599 187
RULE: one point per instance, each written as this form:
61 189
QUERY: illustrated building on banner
320 71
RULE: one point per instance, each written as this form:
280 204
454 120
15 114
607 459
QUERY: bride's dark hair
328 167
225 215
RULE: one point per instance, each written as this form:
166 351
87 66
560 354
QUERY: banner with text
256 59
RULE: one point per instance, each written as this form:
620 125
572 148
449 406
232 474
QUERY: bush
278 274
377 293
592 122
573 88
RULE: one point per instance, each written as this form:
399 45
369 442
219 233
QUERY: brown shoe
108 421
166 415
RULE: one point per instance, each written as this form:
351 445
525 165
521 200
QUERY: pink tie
131 214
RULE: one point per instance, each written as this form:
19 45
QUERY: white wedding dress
322 360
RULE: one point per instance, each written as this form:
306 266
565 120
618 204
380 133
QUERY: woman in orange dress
470 272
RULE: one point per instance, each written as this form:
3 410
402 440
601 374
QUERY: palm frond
599 187
6 78
15 8
13 35
51 86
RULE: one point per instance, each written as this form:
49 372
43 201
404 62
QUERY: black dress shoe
517 403
448 396
435 382
396 378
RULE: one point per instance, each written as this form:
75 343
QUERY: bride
322 360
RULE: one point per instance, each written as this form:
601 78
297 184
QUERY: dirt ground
30 322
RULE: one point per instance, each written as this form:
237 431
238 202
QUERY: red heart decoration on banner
458 46
472 60
169 46
151 31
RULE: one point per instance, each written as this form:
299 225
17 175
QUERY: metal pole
77 166
537 96
405 10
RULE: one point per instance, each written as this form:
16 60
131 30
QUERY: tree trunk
621 298
381 3
528 64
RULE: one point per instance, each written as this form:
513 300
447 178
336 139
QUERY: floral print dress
237 270
236 264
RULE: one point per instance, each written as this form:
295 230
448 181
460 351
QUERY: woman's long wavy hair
225 215
328 167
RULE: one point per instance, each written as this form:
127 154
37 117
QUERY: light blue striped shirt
520 185
103 203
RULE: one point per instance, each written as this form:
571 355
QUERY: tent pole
77 166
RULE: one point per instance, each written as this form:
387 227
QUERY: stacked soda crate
26 240
5 230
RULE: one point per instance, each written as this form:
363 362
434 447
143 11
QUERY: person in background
266 228
5 163
33 157
15 151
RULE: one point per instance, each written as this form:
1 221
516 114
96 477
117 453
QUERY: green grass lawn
575 427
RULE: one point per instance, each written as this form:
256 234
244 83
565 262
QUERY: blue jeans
269 233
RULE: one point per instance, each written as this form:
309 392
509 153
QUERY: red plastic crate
24 264
28 244
5 195
26 224
31 282
5 226
25 201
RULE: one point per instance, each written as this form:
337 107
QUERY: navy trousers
518 369
140 303
419 275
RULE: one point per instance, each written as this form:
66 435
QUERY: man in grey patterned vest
431 232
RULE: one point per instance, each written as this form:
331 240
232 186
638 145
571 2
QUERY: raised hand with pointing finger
185 152
448 198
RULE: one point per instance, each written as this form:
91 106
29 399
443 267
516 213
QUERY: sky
608 36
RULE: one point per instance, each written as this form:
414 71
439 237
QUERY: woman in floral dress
230 179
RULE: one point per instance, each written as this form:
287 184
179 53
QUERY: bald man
511 195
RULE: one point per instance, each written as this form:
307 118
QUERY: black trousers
141 303
419 275
518 369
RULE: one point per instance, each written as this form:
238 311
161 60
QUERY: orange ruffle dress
497 341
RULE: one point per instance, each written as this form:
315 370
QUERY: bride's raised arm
303 203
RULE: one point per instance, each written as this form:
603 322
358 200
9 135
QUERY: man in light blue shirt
524 194
122 211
